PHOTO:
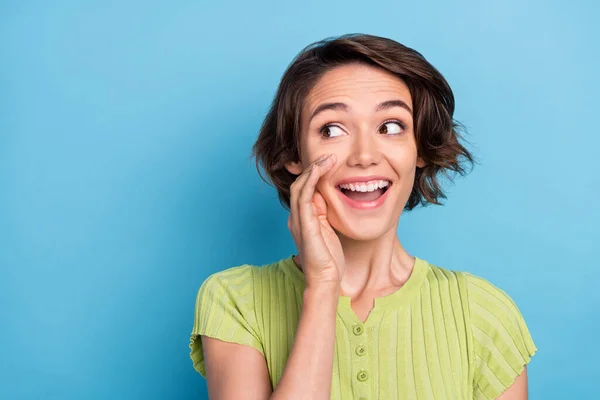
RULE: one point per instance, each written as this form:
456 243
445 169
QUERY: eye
330 131
392 128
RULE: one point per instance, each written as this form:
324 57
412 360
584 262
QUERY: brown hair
436 132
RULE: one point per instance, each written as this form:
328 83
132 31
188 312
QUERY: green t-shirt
443 335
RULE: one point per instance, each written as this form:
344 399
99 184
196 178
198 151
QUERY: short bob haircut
436 132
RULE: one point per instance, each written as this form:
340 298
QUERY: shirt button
362 376
363 398
358 330
360 350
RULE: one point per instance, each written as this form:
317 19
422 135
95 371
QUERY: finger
295 190
309 222
293 231
294 219
320 204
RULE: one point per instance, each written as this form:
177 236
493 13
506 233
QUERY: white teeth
365 186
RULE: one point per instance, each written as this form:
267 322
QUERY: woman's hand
318 245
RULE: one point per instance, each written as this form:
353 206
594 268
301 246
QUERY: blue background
125 178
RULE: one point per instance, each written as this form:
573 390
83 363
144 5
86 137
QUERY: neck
376 265
373 266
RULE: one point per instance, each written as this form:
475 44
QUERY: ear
294 167
420 162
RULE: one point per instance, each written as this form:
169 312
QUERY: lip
364 205
356 179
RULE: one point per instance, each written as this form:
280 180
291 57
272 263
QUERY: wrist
322 291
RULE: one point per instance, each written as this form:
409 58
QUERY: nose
365 151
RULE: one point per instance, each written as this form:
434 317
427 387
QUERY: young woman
359 130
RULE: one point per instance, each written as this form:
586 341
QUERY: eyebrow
386 105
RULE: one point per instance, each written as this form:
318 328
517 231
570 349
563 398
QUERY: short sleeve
224 310
502 343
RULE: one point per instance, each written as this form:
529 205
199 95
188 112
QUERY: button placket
358 329
361 372
362 375
360 350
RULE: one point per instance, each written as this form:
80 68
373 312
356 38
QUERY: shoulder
225 299
491 305
501 341
482 290
239 281
231 281
225 308
240 290
475 291
451 283
436 273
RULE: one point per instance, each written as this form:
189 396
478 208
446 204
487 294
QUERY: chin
361 229
363 236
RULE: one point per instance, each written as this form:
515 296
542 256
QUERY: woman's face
363 115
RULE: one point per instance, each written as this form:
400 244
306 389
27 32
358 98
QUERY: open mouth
365 193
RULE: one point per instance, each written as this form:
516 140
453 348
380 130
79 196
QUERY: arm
235 371
518 390
308 371
502 343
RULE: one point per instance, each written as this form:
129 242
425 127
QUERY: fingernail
323 159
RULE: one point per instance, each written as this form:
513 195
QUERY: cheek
402 158
315 146
311 155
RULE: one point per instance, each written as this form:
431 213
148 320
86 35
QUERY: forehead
359 84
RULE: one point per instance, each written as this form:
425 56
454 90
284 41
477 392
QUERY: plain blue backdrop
125 178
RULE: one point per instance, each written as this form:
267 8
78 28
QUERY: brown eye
329 131
391 128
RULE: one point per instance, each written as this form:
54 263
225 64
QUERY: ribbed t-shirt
443 335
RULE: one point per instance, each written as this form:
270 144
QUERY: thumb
320 204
